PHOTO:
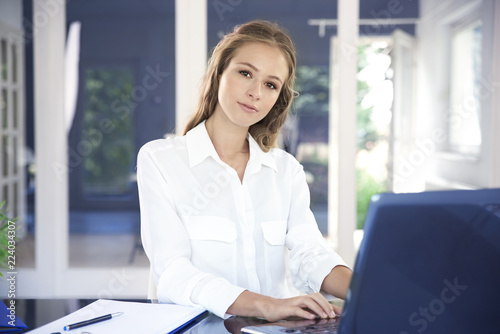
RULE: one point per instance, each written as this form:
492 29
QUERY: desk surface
38 312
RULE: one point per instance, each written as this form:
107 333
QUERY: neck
228 139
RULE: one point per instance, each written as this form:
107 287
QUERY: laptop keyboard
320 327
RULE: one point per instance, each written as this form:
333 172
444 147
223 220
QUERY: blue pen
92 321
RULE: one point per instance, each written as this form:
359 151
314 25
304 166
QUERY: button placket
244 207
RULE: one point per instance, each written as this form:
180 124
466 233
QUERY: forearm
337 282
249 304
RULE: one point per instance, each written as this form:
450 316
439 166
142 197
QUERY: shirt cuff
218 295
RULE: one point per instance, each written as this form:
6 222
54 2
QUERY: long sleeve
311 259
167 244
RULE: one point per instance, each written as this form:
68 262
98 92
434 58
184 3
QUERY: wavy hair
266 131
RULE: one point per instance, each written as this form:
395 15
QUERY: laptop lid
428 263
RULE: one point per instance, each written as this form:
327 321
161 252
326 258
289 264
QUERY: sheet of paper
136 318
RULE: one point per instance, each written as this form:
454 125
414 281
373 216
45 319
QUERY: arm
315 266
311 260
166 240
337 282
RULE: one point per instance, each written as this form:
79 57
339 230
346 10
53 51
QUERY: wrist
263 305
250 304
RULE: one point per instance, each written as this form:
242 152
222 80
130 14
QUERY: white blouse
210 236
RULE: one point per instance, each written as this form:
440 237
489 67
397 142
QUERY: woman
225 214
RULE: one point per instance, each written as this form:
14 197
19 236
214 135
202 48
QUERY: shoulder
285 160
163 146
169 143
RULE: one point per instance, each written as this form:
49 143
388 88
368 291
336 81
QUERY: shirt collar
259 156
199 147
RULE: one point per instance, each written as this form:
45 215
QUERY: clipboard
136 318
9 322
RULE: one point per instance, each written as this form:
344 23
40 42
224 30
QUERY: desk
38 312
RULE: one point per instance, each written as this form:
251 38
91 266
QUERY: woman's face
251 83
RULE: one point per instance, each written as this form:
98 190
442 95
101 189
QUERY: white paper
136 318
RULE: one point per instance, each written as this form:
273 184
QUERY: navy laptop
429 263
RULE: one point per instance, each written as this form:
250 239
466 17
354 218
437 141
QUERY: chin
246 121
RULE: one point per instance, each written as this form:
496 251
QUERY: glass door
102 141
124 98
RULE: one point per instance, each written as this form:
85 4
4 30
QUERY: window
11 126
465 85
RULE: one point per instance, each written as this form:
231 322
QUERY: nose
254 91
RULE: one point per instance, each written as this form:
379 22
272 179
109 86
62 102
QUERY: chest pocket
213 245
274 232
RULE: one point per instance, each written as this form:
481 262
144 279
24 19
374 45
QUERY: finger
337 309
313 304
324 304
300 312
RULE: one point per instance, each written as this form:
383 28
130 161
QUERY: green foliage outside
367 186
4 58
5 114
367 132
107 168
4 71
312 85
368 136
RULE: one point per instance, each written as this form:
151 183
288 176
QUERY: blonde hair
266 131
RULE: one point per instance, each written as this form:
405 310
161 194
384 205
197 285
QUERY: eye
245 73
271 85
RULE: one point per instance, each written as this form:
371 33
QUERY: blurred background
85 83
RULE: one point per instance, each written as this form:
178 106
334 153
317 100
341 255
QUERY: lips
248 108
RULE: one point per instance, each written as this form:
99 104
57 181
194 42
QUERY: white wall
440 168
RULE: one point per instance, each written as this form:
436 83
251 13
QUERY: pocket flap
274 232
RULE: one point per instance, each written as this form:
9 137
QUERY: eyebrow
257 70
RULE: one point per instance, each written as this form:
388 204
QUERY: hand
307 307
272 309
